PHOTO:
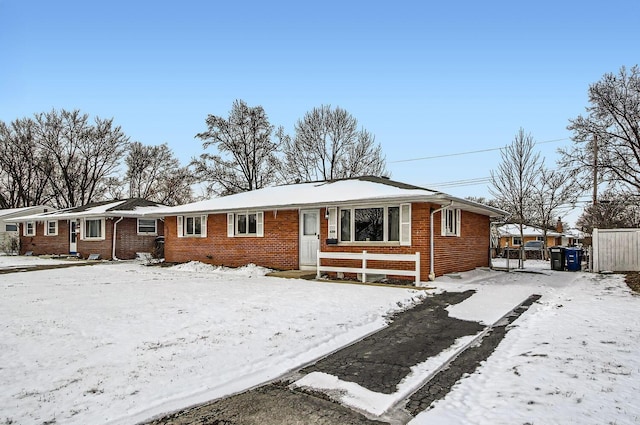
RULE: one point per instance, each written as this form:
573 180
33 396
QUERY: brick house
9 227
112 229
285 227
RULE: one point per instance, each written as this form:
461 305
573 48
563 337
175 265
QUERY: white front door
73 237
309 237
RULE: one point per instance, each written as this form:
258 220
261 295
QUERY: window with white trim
30 228
10 227
51 228
516 241
375 224
450 222
147 226
246 223
192 226
93 229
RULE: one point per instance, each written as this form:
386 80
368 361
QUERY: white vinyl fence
363 257
616 250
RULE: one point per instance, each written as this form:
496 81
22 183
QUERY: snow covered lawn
572 358
15 261
120 343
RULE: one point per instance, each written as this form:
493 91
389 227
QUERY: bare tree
24 169
611 128
82 155
514 181
328 145
246 158
553 190
154 173
614 210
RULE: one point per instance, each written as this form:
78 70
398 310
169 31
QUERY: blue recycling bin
573 257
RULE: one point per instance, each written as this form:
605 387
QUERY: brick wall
451 253
278 249
128 242
46 245
466 252
127 245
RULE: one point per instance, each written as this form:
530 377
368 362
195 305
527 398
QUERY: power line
457 183
469 152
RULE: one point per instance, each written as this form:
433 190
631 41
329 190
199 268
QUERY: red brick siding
466 252
127 245
46 245
278 249
128 242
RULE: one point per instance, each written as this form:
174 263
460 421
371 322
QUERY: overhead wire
468 152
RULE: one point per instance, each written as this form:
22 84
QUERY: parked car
534 246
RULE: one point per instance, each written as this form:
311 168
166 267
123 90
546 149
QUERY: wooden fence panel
616 250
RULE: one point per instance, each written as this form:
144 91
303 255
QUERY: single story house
286 227
9 234
110 229
510 235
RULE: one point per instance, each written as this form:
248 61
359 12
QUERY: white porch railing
364 270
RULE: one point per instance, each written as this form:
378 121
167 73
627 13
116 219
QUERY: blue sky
427 79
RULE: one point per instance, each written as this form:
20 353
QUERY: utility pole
595 169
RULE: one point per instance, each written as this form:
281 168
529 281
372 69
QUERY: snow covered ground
572 358
119 343
15 261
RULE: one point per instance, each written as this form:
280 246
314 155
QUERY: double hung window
192 226
51 228
147 226
246 223
450 222
30 228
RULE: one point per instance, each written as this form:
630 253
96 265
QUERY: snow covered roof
134 207
10 213
327 193
513 229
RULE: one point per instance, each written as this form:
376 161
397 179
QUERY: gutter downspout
113 248
432 273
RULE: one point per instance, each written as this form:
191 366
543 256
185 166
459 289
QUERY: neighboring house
510 235
284 227
112 229
9 228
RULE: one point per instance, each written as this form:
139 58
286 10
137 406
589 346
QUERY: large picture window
377 224
93 228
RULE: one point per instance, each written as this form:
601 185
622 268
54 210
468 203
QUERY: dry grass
633 281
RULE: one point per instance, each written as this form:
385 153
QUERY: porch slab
294 274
